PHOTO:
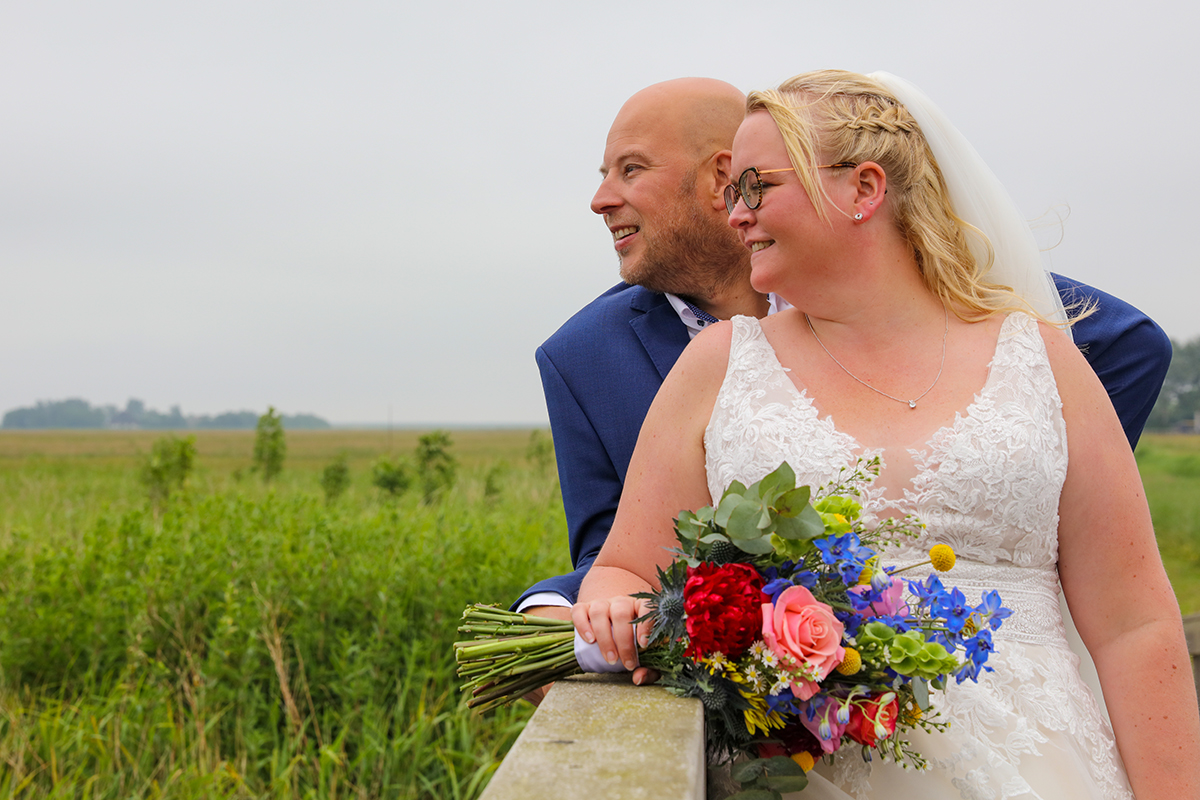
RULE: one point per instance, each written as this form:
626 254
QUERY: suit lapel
658 328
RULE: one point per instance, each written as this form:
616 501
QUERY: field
249 640
1170 467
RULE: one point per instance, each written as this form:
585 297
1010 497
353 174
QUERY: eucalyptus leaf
921 693
713 537
736 488
787 475
687 527
793 502
785 783
764 521
790 528
814 526
782 765
755 547
728 503
746 771
768 487
743 521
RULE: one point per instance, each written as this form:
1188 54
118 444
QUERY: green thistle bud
723 552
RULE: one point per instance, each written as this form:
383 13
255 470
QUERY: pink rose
891 602
806 630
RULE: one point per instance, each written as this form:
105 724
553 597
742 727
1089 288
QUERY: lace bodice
987 484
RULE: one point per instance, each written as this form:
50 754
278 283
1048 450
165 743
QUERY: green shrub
335 478
435 466
391 475
269 445
167 467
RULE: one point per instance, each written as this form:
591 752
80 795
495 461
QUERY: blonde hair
833 116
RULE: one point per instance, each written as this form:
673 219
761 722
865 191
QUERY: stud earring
858 217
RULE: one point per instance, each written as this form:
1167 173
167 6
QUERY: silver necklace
911 403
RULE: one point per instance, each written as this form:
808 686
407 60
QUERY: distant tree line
1180 399
76 413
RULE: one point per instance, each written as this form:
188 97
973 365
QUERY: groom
666 165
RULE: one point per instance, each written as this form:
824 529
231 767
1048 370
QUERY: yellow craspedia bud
864 577
851 664
942 557
805 760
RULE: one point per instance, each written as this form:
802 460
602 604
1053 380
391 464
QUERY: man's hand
553 612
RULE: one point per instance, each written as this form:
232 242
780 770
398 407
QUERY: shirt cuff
544 599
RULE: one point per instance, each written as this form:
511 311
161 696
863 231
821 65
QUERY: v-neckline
935 435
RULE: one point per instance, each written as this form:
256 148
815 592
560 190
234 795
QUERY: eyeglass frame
738 194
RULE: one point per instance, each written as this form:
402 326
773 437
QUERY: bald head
701 115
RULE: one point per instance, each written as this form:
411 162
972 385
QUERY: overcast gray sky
346 207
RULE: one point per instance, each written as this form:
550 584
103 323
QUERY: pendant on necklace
912 403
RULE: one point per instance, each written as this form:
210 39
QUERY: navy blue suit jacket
602 368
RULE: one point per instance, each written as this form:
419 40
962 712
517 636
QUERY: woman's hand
609 625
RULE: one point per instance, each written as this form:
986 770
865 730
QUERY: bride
935 343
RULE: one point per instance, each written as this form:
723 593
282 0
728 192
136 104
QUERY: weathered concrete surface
601 736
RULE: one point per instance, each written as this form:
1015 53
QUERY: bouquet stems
512 654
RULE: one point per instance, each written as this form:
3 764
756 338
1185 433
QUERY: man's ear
718 169
870 186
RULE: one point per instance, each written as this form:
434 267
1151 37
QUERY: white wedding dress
987 484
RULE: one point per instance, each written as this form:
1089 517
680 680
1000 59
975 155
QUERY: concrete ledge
601 736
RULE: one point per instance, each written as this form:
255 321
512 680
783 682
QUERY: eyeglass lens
750 185
749 188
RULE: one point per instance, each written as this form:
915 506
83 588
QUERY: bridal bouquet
779 617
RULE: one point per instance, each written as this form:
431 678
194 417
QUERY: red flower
873 721
793 738
723 609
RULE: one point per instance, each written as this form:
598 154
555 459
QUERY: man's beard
695 258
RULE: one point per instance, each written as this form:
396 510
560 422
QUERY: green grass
1170 467
251 641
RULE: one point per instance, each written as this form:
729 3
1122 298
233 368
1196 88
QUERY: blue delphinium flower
775 585
847 553
990 610
836 548
953 607
928 592
850 621
978 648
775 588
783 703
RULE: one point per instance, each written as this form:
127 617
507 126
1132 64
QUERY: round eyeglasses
749 186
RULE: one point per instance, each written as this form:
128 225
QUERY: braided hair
833 116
